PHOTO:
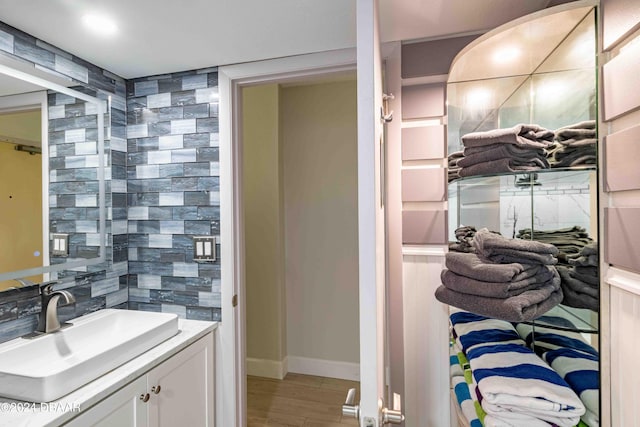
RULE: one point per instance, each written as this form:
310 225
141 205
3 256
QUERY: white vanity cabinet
177 392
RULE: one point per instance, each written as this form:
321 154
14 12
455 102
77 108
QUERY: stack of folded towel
581 282
453 168
520 148
574 145
580 370
569 241
464 237
508 279
517 388
508 384
573 359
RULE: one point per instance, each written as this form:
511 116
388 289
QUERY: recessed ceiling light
100 24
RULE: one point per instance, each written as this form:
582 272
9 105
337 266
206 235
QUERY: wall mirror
52 170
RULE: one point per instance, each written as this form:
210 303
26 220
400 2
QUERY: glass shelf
570 319
565 177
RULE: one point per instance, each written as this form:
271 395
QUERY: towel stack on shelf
520 148
508 279
581 282
453 169
508 384
574 145
573 359
520 389
569 241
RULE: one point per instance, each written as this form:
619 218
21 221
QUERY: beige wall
264 246
300 211
20 211
24 125
318 128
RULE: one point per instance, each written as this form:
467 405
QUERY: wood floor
298 400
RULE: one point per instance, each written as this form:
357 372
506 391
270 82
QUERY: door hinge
234 300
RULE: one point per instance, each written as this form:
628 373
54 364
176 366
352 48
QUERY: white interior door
371 226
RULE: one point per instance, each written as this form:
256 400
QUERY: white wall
319 146
264 236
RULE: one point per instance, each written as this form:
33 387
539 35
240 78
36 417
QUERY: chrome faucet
49 313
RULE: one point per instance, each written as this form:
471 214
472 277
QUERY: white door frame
230 346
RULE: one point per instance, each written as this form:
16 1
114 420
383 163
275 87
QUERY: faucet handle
47 287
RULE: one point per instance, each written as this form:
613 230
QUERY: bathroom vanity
170 384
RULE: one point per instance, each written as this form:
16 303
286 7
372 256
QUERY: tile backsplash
173 184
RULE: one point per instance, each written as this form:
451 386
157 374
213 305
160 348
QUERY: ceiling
158 37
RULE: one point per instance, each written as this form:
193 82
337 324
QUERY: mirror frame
100 112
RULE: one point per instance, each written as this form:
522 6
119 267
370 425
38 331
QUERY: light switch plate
60 244
204 248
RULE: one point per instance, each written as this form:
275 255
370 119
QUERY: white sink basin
49 366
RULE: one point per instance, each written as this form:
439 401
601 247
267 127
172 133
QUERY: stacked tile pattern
173 192
103 285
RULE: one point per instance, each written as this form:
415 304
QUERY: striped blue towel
580 371
472 330
519 388
455 370
549 339
463 396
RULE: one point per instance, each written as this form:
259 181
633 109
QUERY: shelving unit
536 70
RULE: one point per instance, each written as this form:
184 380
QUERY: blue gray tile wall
103 285
173 192
162 188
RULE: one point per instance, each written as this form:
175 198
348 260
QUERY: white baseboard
267 368
324 368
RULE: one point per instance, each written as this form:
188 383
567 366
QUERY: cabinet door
124 408
182 388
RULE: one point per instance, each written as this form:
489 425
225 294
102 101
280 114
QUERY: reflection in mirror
52 203
21 227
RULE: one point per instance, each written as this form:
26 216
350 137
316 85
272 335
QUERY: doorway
299 161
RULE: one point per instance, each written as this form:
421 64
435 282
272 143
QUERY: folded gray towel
532 136
577 294
470 265
486 243
461 247
503 165
524 307
511 149
564 134
502 152
591 249
578 160
514 255
565 230
577 143
467 285
578 287
586 124
586 278
585 261
579 300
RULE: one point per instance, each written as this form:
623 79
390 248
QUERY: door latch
350 409
386 115
391 416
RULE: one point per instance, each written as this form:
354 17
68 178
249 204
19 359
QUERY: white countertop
15 413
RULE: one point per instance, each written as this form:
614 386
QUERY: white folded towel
519 388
